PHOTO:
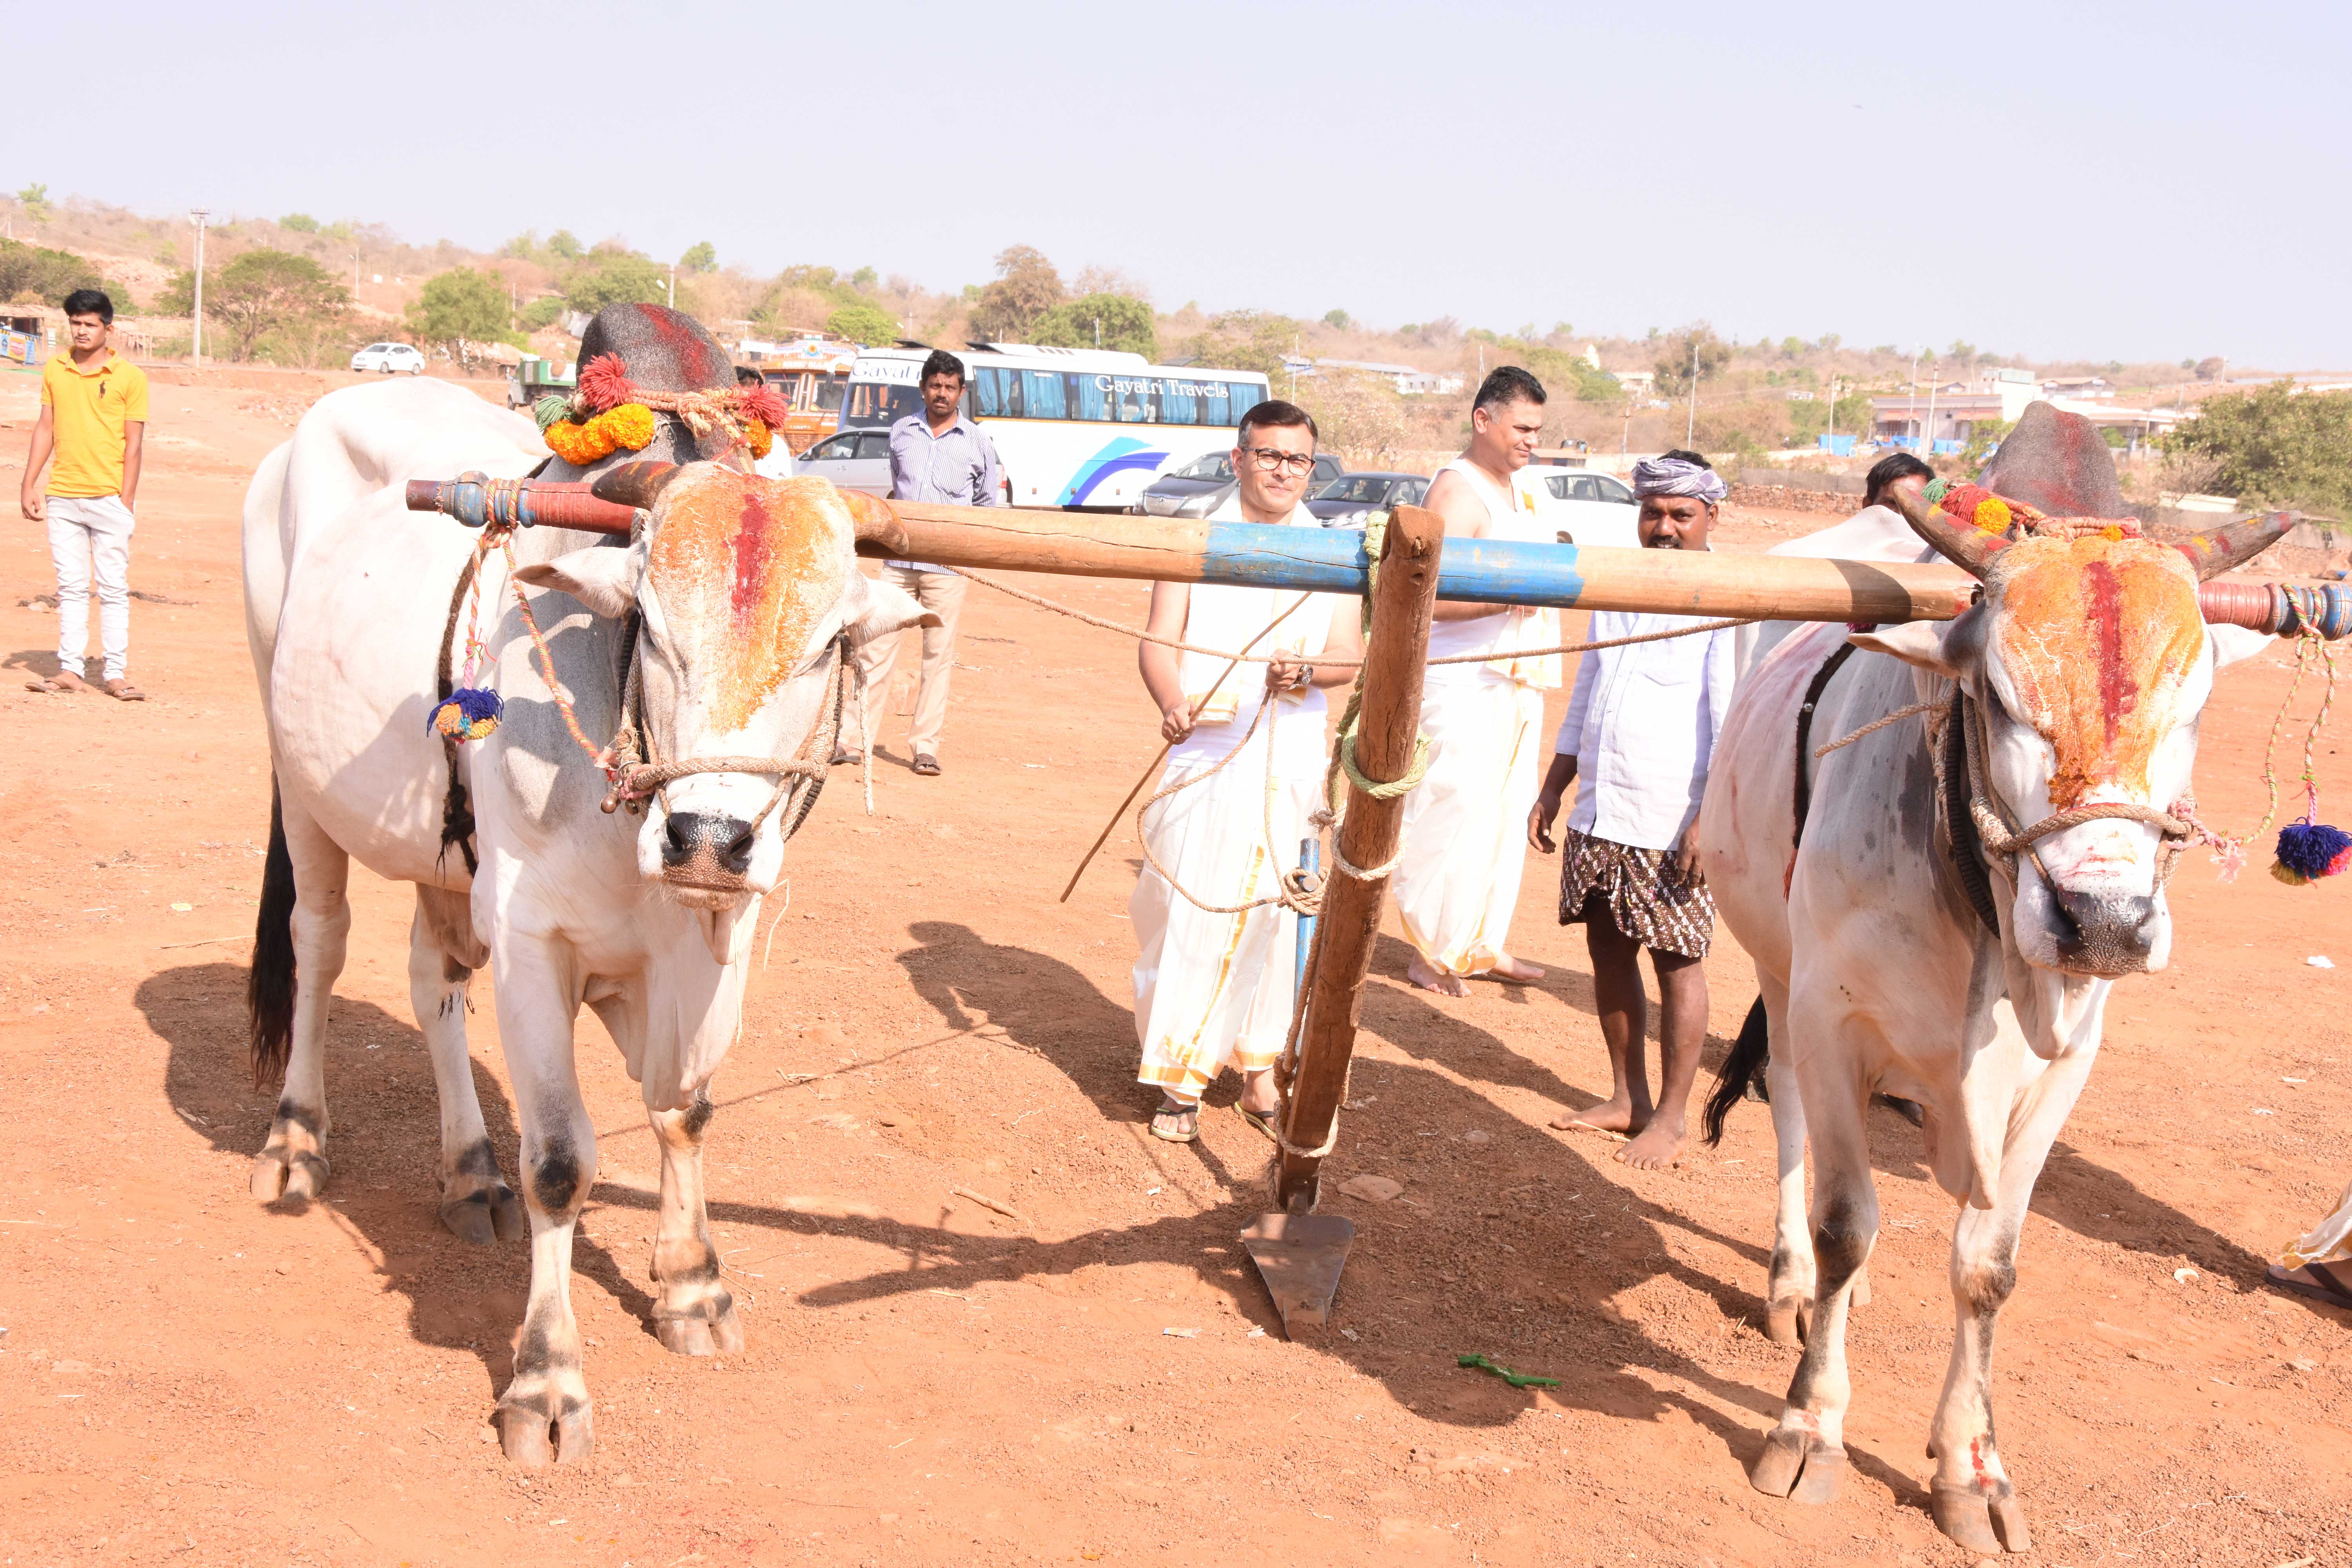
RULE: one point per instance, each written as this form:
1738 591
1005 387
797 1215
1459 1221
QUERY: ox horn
878 524
637 484
1970 549
2235 543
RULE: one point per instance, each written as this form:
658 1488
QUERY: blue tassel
467 713
2309 850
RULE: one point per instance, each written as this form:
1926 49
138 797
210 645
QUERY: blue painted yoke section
1332 560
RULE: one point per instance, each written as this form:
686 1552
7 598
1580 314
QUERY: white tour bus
1083 428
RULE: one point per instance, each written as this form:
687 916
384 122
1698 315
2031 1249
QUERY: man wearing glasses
1459 879
1244 770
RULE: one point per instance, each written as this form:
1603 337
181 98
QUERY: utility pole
355 277
1098 331
1832 413
673 285
1927 431
196 340
1690 424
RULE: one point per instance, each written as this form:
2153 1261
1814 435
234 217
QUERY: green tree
2274 447
543 311
699 258
266 292
461 309
1678 351
862 323
565 245
298 223
342 230
1338 319
37 202
37 274
1792 346
1125 321
1983 436
614 278
864 279
2209 368
1027 286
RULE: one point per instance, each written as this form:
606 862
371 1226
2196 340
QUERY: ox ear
889 609
2231 643
1919 644
601 577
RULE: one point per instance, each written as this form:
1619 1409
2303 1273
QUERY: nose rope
1995 823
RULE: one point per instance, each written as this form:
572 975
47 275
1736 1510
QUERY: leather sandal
926 764
63 684
122 690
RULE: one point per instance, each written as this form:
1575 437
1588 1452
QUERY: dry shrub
1361 416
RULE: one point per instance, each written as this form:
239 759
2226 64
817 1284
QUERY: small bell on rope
468 713
2308 850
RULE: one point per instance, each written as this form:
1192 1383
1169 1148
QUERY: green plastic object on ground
1515 1379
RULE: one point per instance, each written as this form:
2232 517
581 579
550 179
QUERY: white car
853 460
1587 508
389 357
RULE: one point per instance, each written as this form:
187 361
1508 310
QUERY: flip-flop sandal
51 686
1192 1130
926 764
123 692
844 757
1264 1121
2329 1288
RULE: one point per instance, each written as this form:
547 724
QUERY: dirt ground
188 1377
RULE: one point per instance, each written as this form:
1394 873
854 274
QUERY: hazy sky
2147 181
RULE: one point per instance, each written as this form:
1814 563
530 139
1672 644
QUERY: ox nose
2106 935
706 840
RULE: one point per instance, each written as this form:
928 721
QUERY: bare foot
1517 970
1620 1116
1437 980
1660 1145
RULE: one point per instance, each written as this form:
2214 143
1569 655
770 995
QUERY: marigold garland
631 424
762 439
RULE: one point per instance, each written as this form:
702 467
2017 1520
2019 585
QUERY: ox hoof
1979 1522
534 1436
278 1173
485 1215
1799 1467
721 1336
1786 1320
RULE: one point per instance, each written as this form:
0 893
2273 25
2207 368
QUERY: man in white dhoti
1459 880
1214 990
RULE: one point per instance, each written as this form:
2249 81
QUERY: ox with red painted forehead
2086 664
742 590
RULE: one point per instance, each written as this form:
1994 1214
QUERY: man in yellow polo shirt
94 421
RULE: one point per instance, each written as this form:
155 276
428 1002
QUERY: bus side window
1093 397
1043 393
1178 406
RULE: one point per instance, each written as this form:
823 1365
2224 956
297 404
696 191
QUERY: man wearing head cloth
1457 877
1639 734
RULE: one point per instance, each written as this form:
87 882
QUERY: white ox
2085 665
741 587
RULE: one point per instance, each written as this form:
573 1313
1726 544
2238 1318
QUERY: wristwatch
1306 676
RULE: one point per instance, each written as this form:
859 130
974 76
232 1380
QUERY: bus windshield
873 403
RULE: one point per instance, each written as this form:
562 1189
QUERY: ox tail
269 987
1748 1054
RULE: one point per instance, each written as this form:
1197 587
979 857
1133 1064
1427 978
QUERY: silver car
853 460
389 357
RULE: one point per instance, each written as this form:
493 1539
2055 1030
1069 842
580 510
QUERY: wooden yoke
1350 922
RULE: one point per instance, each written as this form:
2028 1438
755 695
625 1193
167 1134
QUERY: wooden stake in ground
1351 921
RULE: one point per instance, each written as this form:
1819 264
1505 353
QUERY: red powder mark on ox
691 349
746 569
2096 635
2104 597
752 554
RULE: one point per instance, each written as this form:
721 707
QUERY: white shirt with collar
1643 723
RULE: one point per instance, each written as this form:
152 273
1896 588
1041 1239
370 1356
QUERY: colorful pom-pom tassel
549 409
468 713
1934 493
2308 850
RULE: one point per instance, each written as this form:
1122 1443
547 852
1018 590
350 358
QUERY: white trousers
89 539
